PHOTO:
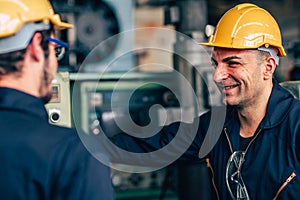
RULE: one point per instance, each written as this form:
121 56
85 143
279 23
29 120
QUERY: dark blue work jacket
40 161
272 161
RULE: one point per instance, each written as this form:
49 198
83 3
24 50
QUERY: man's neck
249 122
19 84
251 116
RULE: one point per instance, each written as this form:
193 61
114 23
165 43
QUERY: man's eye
213 64
233 64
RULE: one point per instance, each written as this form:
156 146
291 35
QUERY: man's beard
46 82
46 98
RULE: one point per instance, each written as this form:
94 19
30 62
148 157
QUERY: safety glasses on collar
234 181
60 47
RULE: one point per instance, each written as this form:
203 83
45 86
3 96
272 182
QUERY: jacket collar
280 102
17 100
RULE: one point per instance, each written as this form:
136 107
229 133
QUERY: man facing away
38 160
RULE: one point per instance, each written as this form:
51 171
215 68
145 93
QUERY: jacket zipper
213 177
287 181
230 146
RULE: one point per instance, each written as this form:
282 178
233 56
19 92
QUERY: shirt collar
15 99
280 102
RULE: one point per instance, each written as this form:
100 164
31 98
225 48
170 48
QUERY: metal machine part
92 110
96 39
293 87
294 73
197 71
182 15
54 115
150 185
59 107
94 24
135 93
170 182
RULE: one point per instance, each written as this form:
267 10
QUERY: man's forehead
224 52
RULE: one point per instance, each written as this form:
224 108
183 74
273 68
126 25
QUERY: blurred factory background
140 44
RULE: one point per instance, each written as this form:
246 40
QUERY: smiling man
256 152
262 126
245 78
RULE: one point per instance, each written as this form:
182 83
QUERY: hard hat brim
58 24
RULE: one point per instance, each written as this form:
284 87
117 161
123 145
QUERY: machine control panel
58 108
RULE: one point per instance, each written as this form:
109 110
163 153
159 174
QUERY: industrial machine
98 102
59 107
293 87
98 34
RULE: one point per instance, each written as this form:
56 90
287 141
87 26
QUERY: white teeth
228 87
232 86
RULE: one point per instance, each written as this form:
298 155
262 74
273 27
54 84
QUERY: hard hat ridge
247 26
14 14
30 15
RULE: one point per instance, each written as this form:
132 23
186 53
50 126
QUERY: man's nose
220 73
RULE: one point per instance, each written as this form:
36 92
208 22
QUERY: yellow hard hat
247 26
20 19
16 13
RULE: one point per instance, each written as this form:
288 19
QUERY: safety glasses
60 47
234 181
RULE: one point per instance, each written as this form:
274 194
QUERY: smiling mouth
228 87
231 86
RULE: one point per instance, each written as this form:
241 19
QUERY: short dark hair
262 56
12 62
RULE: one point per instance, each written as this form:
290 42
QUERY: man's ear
34 48
270 67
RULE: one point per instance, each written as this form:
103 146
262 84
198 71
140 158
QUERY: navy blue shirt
271 167
44 161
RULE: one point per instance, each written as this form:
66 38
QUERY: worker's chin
46 98
229 101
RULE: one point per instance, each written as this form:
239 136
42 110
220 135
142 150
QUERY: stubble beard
46 84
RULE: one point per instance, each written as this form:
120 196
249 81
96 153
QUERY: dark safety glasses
60 47
234 181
